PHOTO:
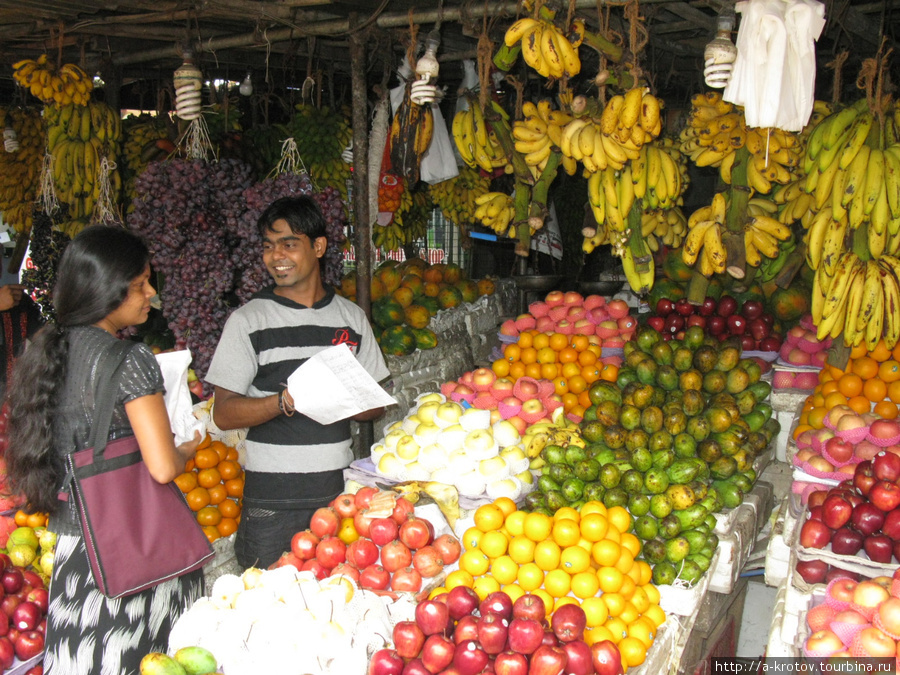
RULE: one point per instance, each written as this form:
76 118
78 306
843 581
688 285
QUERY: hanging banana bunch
539 133
546 49
496 211
457 197
477 142
61 86
20 170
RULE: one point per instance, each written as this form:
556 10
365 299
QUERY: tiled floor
757 618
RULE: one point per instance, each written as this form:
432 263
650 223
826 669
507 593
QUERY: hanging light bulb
427 69
246 88
720 54
188 83
10 141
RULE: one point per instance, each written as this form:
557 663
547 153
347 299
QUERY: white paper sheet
332 386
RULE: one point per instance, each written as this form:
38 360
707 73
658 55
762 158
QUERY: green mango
196 660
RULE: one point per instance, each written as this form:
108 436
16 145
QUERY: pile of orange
213 484
571 362
24 519
870 382
586 558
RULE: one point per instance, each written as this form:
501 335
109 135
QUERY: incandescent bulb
246 88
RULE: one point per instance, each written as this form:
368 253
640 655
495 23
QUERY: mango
196 660
157 663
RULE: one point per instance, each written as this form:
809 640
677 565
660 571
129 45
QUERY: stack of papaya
406 295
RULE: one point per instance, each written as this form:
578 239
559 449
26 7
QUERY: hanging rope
48 200
638 36
838 65
290 162
105 207
196 140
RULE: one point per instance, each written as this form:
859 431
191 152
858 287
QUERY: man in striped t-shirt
294 465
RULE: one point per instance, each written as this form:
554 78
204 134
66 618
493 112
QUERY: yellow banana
519 30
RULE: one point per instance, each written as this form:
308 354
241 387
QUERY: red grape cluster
182 210
247 258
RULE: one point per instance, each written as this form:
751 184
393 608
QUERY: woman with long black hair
103 285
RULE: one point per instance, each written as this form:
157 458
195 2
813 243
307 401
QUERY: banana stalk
795 261
736 252
697 287
504 137
506 57
521 200
605 48
538 207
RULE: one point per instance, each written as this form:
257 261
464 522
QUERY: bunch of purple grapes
247 258
181 210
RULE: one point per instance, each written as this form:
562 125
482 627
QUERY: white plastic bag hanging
174 367
438 163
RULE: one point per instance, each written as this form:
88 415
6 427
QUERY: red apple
385 662
578 658
568 623
492 633
7 653
529 606
525 635
873 642
824 642
498 603
606 658
812 571
864 477
847 541
879 548
408 639
815 534
839 449
466 629
510 663
437 653
548 660
469 658
889 615
869 594
29 644
432 617
885 495
836 511
461 600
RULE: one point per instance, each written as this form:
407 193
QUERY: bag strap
109 375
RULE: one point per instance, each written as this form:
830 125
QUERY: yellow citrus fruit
631 542
566 532
595 611
547 554
459 578
585 585
619 516
504 569
628 586
436 592
617 628
574 559
493 544
485 585
605 552
633 651
640 600
564 600
593 526
629 613
506 505
557 583
652 593
489 517
644 630
613 533
593 507
586 545
597 634
515 523
521 549
646 572
546 598
615 603
471 538
625 561
656 614
474 562
610 579
530 577
566 513
514 591
634 573
538 526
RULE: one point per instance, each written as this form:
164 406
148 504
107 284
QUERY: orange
859 350
630 542
484 586
580 342
835 399
587 358
646 575
628 584
547 355
500 367
860 404
534 370
538 526
516 370
493 544
512 352
209 477
515 522
229 508
593 506
887 409
566 513
204 443
817 416
590 374
895 352
894 391
514 591
625 561
557 583
231 455
595 610
577 384
489 517
889 371
633 651
229 469
547 555
881 352
21 518
619 516
830 387
190 466
564 600
617 628
220 448
506 505
566 532
505 570
875 390
800 428
605 552
575 560
526 339
615 603
529 355
640 600
521 549
227 526
558 341
629 613
656 614
211 533
549 371
593 527
36 519
529 577
458 578
584 399
569 401
235 487
186 481
560 386
471 538
474 562
610 579
217 494
609 373
197 498
578 410
597 634
206 459
865 366
541 340
209 515
568 355
570 370
546 598
585 585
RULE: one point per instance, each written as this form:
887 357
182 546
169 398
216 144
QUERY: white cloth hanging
775 70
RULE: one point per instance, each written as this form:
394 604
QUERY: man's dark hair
302 214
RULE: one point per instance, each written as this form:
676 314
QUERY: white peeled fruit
448 413
390 466
432 456
526 477
225 589
390 440
378 451
425 412
251 577
452 437
493 468
475 418
505 433
410 422
480 443
510 488
470 484
430 397
426 433
460 462
516 459
416 471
